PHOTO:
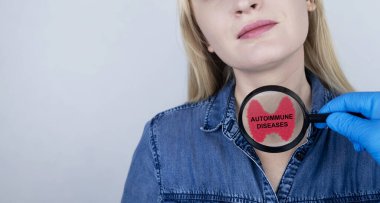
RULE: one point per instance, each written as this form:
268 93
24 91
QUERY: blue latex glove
364 133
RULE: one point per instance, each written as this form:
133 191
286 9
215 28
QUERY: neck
289 73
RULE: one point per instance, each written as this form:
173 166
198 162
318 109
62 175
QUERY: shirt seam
201 195
155 152
353 195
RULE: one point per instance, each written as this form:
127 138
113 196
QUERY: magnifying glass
274 118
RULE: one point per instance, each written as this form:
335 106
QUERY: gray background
79 79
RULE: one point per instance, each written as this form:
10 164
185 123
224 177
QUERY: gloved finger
349 126
366 103
357 147
320 125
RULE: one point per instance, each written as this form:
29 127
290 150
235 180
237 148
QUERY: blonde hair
207 73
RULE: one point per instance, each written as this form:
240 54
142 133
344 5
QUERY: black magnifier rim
284 90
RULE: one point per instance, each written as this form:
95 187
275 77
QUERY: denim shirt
196 153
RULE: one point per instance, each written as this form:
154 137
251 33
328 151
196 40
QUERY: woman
196 152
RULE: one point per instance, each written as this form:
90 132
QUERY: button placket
293 165
269 193
299 156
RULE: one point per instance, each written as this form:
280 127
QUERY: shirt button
300 156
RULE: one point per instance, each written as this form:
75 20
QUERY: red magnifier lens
273 119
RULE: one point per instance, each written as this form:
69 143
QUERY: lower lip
257 32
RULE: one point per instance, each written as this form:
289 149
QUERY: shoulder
188 114
165 132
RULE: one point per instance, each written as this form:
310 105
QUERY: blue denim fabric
196 153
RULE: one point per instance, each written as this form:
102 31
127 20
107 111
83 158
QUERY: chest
226 172
274 164
274 167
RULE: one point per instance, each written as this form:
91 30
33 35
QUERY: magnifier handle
321 118
318 118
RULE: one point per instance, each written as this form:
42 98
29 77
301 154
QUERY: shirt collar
221 109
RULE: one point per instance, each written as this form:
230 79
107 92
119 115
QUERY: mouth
255 29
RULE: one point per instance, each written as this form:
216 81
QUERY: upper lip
255 25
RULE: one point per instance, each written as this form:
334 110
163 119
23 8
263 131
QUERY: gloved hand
364 133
